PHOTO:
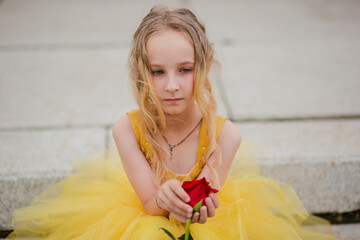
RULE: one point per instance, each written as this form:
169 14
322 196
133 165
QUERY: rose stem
187 229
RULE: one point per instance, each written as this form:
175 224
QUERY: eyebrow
182 63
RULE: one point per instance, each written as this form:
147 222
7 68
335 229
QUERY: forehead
169 46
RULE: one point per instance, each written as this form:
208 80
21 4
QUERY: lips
173 100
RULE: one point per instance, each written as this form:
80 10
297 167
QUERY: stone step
305 81
64 88
31 160
286 60
320 159
347 231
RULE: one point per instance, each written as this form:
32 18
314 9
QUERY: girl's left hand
211 203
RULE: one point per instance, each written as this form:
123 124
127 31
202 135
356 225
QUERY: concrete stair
290 81
347 231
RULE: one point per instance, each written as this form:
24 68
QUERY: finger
179 191
179 217
210 207
203 215
180 198
195 217
215 200
181 208
174 204
172 208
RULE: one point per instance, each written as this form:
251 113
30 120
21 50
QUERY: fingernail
189 210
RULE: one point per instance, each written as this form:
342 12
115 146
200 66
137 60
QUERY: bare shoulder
123 134
230 134
121 127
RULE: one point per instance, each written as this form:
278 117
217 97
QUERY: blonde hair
182 20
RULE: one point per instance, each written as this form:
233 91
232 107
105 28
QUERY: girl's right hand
173 198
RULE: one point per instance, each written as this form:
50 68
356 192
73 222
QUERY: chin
173 110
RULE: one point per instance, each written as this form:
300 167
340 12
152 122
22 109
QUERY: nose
172 84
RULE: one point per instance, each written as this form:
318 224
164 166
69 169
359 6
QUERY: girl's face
172 62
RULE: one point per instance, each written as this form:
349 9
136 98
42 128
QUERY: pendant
171 147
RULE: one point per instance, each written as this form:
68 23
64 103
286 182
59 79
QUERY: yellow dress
98 202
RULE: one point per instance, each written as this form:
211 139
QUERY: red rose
197 190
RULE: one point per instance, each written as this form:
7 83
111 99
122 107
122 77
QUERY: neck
182 121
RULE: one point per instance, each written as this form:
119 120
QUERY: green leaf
198 206
183 237
168 233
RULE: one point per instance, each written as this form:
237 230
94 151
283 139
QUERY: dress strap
203 140
138 126
135 119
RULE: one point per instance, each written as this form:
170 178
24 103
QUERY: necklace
171 147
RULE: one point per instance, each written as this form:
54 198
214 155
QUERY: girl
174 136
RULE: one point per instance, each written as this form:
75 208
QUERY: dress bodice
139 130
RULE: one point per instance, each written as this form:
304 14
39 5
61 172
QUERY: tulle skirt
98 202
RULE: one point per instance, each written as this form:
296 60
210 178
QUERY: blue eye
157 72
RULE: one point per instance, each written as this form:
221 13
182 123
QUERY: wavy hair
182 20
